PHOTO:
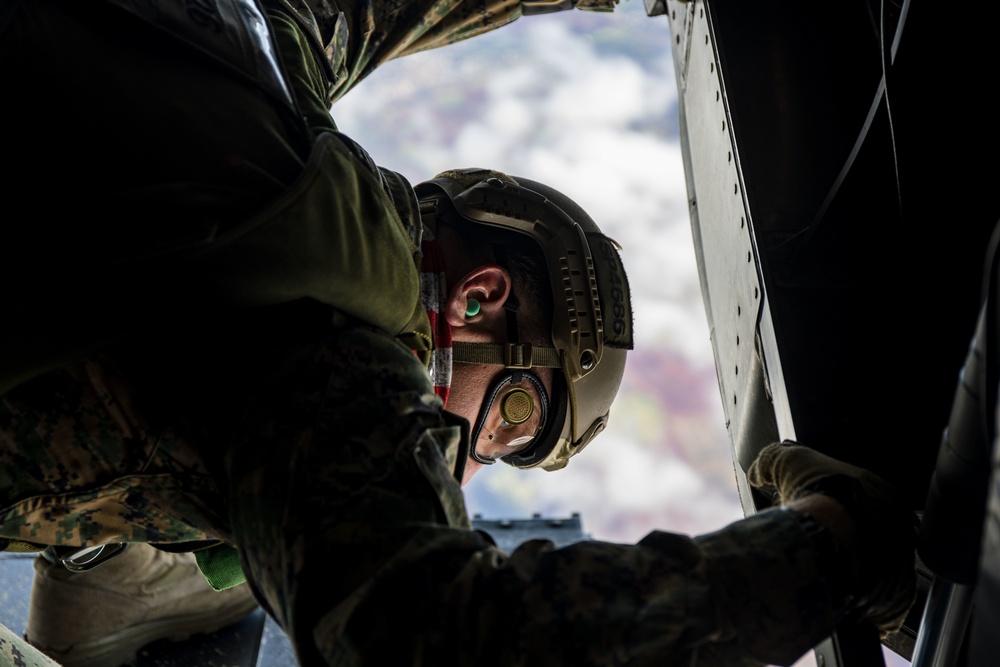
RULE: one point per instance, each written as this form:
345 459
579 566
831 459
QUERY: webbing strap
19 546
511 355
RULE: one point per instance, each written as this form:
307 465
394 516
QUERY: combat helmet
592 312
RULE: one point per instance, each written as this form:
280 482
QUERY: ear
490 286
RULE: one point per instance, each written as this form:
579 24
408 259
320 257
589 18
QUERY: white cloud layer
594 118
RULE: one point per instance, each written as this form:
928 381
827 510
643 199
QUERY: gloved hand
885 581
532 7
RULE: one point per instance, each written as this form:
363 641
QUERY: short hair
531 283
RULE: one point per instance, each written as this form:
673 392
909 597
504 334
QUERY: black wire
807 233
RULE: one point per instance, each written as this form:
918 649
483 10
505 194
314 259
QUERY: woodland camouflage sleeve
353 530
360 35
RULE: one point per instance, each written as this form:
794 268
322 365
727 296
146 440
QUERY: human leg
15 652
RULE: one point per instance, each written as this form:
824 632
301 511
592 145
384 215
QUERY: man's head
540 313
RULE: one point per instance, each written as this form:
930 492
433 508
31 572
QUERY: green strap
19 546
517 355
220 565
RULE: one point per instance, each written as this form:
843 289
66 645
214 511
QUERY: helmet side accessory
515 382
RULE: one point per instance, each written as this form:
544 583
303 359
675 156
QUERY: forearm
352 528
446 596
777 578
374 32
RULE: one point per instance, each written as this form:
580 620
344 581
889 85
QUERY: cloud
587 104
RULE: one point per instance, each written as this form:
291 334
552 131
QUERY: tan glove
533 7
885 581
596 5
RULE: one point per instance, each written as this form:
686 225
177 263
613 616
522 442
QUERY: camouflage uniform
240 397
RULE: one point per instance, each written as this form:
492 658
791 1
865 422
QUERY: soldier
251 343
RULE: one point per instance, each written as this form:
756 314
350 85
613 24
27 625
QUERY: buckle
517 355
533 7
90 557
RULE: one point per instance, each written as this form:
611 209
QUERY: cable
881 92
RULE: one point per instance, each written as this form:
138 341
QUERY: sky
587 103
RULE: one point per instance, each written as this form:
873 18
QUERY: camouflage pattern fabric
351 525
15 652
358 37
80 466
367 503
310 440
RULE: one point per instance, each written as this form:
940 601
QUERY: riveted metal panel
721 223
845 143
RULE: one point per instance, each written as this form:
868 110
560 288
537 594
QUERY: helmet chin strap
514 375
513 354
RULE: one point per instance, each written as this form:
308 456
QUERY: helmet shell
592 312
